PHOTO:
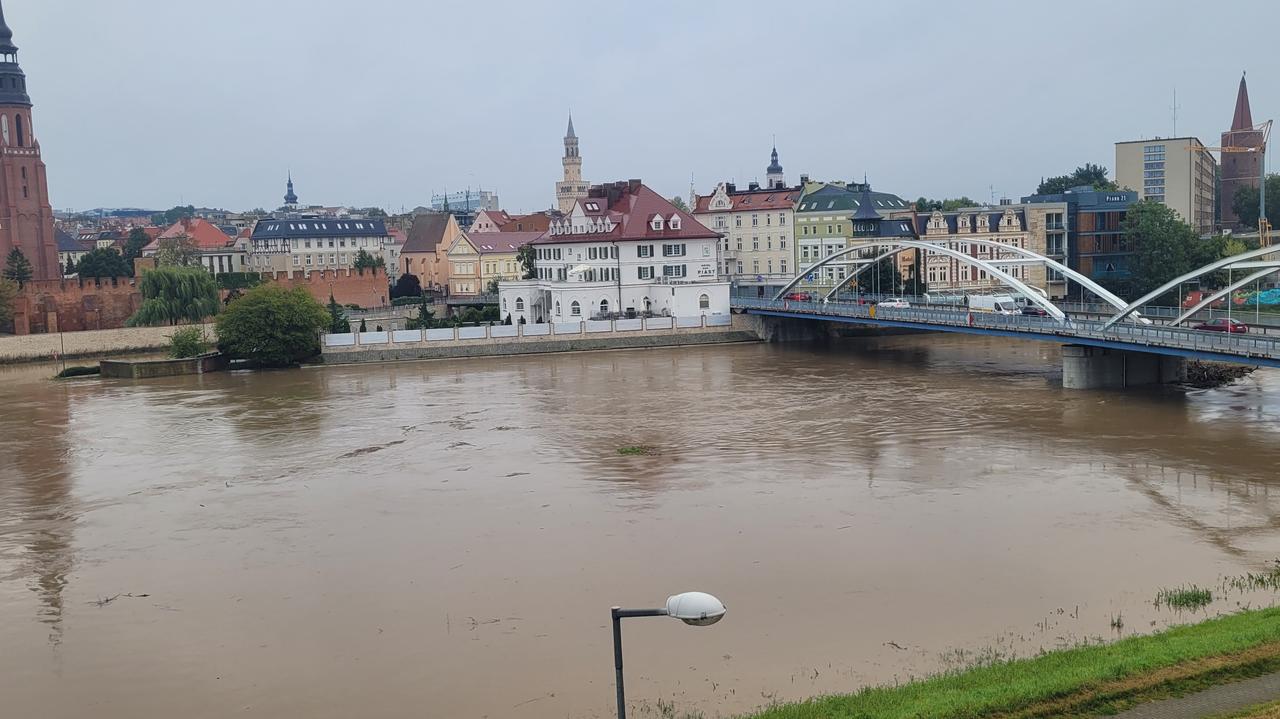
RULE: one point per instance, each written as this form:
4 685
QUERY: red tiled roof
631 206
397 235
536 222
203 235
501 242
740 200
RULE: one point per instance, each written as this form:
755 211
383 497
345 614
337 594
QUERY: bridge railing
1138 335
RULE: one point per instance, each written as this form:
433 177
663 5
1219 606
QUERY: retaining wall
143 369
92 343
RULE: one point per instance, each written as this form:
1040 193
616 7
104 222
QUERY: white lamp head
698 609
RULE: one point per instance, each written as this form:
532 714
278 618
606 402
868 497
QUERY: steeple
567 134
866 210
773 175
1243 119
13 83
290 198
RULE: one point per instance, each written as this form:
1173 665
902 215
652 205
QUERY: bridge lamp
697 609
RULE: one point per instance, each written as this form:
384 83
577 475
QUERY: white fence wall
599 326
440 334
535 330
503 331
688 322
658 323
449 334
628 325
472 333
719 320
341 340
568 328
406 336
374 338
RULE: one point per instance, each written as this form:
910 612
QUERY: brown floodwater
445 539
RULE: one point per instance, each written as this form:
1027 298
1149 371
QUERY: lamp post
696 609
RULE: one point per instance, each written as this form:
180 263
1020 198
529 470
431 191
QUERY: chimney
1006 201
804 180
753 186
633 185
730 188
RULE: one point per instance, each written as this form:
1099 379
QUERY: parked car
1034 311
895 303
1224 324
799 297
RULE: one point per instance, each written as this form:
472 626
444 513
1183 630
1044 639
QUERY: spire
1243 119
865 209
6 36
774 167
289 197
570 132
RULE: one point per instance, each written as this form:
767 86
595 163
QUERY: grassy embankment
1085 681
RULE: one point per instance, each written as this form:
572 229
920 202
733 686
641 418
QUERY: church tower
1239 169
290 198
773 175
26 218
572 187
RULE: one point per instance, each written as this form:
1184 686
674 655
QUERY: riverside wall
91 343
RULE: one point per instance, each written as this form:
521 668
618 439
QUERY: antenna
1174 108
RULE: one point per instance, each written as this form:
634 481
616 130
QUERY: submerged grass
1074 681
1189 597
637 450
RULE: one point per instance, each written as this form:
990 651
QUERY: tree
407 286
528 258
103 262
8 293
493 286
679 204
188 342
1094 176
946 205
338 323
883 279
1164 247
138 239
376 213
426 318
17 267
70 269
363 326
1245 203
273 326
364 260
168 217
175 294
177 252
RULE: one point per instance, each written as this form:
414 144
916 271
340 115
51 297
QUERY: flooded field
445 539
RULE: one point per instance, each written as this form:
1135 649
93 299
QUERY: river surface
445 539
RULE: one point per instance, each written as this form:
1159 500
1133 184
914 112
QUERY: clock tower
26 218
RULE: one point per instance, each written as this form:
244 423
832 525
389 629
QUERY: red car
799 297
1224 324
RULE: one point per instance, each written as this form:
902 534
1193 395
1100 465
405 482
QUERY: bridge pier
1085 367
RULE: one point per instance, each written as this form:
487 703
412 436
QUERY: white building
313 243
622 251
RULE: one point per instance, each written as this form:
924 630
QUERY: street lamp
697 609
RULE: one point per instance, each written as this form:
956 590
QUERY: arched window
557 308
504 304
22 131
648 304
4 128
519 304
604 307
575 309
704 302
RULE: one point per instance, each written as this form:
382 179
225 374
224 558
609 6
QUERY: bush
239 280
175 294
406 301
188 342
273 326
79 371
407 286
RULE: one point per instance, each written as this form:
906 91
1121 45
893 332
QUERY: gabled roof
534 222
630 207
836 198
1243 118
204 235
272 228
67 243
742 200
487 243
952 218
427 231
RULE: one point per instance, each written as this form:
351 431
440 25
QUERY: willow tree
175 294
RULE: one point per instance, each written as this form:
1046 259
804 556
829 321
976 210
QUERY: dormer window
592 206
675 222
657 223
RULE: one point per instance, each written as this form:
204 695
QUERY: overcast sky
381 102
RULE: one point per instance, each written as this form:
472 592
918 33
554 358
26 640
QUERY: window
674 271
519 304
644 273
504 304
297 261
739 266
644 251
783 267
591 254
755 267
782 242
557 308
308 244
737 222
657 223
308 260
575 309
673 250
675 222
755 220
704 302
755 244
604 307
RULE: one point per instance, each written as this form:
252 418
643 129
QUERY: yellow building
475 261
1175 171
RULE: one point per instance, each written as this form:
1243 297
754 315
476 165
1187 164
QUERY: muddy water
444 539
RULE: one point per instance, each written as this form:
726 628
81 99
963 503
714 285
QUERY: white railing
383 340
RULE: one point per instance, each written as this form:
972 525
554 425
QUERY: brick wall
74 305
367 288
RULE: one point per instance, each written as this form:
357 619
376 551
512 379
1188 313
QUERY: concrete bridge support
1085 367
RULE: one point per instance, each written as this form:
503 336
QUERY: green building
824 222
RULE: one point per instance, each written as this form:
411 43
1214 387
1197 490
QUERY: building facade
622 251
467 201
1177 171
1240 169
1096 245
26 217
1039 227
424 252
308 244
571 187
755 225
477 260
215 250
824 223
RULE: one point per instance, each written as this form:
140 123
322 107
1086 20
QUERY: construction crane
1264 226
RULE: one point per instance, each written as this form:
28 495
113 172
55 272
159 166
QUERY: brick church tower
1240 169
26 218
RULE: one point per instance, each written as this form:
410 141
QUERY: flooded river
445 539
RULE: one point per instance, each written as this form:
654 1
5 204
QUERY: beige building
572 187
477 260
314 243
755 231
1177 171
1039 227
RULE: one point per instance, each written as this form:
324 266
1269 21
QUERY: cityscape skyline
221 136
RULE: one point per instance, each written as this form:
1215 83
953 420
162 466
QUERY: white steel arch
1211 267
990 269
1253 277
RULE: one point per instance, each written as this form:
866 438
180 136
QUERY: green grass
77 371
1189 597
636 451
1262 711
1018 686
